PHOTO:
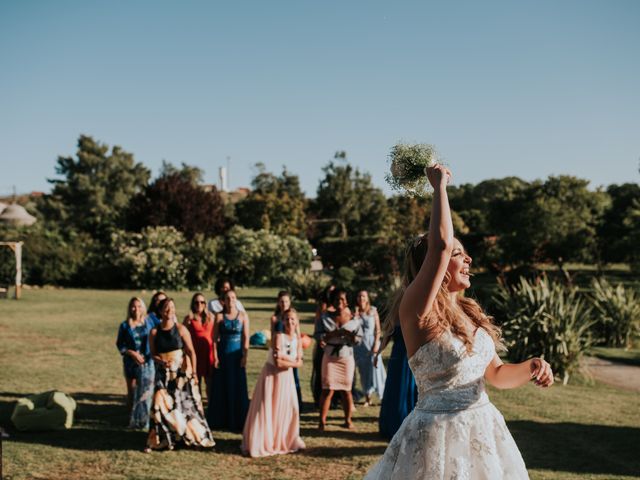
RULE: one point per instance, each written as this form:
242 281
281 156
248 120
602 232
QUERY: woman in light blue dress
370 368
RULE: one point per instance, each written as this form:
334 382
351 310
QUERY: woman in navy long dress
228 394
400 391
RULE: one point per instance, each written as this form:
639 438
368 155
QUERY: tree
175 200
96 189
410 215
276 204
482 206
349 197
190 173
633 223
553 221
616 230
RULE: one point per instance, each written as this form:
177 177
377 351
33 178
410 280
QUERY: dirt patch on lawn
614 374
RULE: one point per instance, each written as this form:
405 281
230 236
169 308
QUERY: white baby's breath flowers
407 167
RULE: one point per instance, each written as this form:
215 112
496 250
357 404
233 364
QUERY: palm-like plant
617 312
546 319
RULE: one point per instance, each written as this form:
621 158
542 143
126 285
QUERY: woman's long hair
220 283
445 314
367 308
135 299
192 315
154 304
163 303
277 312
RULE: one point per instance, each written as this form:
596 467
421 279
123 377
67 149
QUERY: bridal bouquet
408 163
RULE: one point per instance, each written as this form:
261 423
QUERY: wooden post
18 251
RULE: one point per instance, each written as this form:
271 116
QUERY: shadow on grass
334 430
344 451
79 438
578 448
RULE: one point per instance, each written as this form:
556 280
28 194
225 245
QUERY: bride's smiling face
458 268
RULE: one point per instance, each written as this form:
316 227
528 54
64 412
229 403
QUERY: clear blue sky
500 87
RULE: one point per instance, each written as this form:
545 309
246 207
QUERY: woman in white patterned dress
454 431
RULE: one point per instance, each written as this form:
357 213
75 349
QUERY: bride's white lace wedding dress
454 432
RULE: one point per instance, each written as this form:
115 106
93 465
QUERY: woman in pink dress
272 426
200 322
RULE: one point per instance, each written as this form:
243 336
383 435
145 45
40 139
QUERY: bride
454 430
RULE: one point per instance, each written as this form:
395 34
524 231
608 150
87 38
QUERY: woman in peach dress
273 426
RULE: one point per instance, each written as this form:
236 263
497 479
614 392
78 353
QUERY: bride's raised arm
420 294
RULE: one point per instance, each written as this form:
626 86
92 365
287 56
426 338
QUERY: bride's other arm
420 294
505 375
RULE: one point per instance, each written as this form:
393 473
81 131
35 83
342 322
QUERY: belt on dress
461 408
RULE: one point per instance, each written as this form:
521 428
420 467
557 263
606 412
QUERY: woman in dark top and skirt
177 416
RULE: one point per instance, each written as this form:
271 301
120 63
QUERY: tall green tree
275 203
347 202
615 233
482 207
96 187
554 221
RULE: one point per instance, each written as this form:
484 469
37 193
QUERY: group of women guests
346 340
166 363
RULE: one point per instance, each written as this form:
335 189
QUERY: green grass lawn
64 339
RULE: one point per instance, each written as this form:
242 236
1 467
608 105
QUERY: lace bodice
448 377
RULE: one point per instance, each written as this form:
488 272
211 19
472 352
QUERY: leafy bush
49 255
617 312
305 285
545 319
152 258
203 262
258 257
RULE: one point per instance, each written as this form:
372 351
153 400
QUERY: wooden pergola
17 250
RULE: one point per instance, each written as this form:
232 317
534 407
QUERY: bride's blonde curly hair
445 315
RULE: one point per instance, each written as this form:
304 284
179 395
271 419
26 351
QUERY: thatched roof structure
17 215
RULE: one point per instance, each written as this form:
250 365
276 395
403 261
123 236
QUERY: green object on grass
44 411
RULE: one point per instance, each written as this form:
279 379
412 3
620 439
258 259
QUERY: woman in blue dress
228 395
139 371
401 392
372 374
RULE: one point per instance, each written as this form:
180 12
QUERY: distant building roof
233 197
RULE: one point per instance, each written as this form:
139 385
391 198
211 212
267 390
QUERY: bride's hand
541 372
438 175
